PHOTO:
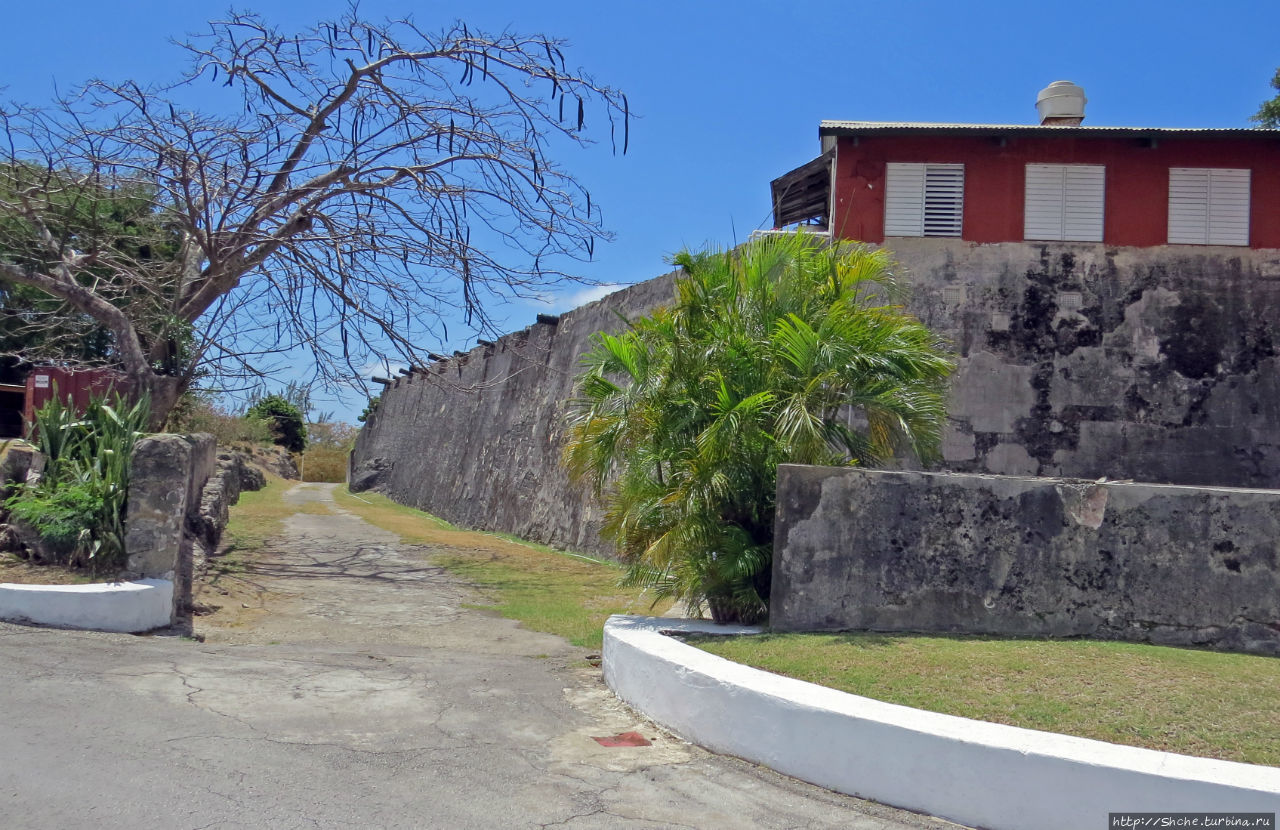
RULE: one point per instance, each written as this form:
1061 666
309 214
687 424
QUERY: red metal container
75 386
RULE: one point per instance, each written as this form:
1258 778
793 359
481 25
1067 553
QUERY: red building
19 402
1059 181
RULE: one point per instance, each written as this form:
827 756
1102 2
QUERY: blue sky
729 95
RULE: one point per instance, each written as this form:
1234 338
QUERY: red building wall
1137 181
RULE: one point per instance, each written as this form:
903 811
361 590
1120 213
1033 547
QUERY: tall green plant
786 350
79 505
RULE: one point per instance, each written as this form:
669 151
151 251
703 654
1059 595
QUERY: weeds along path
346 682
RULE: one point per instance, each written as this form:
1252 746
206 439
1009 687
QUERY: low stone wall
936 552
126 607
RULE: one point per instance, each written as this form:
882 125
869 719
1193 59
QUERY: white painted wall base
128 607
976 773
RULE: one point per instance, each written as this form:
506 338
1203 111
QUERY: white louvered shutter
1208 206
904 200
923 199
943 199
1065 202
1228 207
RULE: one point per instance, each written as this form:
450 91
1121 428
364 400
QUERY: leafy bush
285 419
766 356
78 506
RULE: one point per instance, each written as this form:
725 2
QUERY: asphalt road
356 690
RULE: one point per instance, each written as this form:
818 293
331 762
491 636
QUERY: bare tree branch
376 179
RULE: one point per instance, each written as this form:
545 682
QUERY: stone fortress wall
477 439
1075 359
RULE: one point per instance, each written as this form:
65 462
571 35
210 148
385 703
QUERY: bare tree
375 179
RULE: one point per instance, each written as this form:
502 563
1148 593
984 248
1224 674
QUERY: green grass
1181 700
385 506
545 589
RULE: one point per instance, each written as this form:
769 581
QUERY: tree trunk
163 391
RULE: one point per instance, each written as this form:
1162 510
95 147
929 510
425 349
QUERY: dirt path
334 578
356 690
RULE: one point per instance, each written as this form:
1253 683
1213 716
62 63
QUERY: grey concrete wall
477 440
937 552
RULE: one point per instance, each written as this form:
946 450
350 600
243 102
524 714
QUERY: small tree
784 351
368 180
288 425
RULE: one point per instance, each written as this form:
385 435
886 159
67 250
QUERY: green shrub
78 506
62 516
285 419
682 419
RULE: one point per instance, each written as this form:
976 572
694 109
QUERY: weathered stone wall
1153 364
936 552
477 440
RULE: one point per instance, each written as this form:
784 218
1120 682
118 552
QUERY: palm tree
786 350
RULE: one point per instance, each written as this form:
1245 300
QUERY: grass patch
1180 700
547 590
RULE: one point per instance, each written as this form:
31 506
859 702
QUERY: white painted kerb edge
976 773
128 607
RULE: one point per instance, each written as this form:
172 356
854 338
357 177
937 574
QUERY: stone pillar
167 475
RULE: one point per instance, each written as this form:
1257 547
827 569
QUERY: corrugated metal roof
865 127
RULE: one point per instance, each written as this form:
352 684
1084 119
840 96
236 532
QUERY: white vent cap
1061 102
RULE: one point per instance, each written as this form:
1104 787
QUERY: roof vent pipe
1061 104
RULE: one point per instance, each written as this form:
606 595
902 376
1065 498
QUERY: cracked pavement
362 693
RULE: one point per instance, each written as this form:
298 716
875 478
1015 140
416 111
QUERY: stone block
369 474
160 485
16 458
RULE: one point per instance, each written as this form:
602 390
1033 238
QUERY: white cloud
589 294
560 303
382 369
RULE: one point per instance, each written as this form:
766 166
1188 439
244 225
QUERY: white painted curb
976 773
128 607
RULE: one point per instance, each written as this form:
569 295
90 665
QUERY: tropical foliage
200 411
786 350
78 506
